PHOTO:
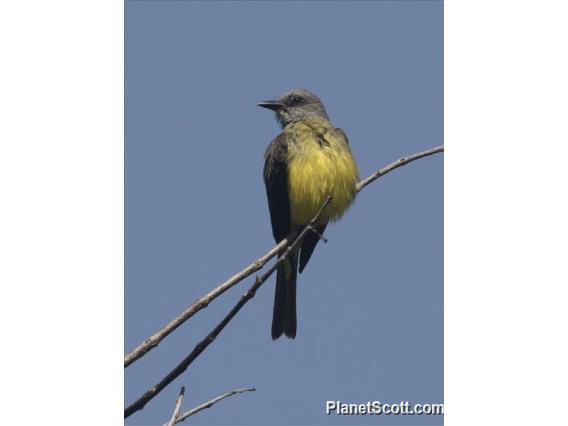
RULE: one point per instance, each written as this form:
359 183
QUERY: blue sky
370 303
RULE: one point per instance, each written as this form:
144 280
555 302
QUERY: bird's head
294 106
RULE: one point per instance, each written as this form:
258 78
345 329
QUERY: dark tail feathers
284 316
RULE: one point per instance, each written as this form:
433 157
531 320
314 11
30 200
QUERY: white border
61 214
61 231
506 98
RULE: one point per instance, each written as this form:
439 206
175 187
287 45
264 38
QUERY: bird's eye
295 100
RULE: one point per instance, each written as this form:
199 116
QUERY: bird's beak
273 105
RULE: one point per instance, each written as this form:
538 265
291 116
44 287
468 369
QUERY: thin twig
210 403
395 165
175 414
153 341
200 347
320 236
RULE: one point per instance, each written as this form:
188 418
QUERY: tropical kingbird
309 161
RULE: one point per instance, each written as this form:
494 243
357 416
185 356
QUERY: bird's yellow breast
319 164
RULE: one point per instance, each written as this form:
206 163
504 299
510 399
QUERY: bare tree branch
210 403
249 294
200 347
398 163
175 414
153 341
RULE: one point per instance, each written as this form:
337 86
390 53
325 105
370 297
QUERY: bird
307 162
